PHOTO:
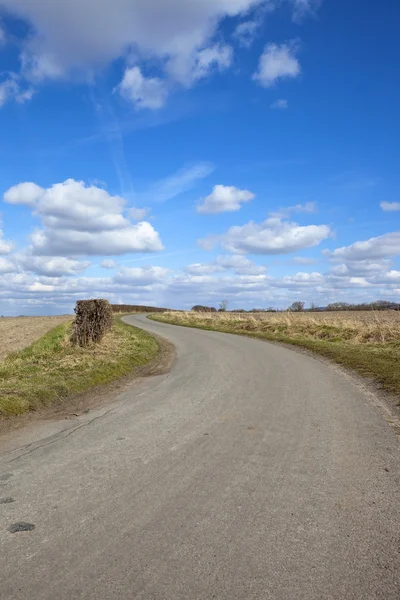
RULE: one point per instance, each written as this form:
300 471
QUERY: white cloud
36 68
83 35
138 214
13 88
6 266
142 276
390 206
5 246
189 68
108 264
301 8
150 92
238 263
273 236
276 63
246 31
375 248
80 219
178 183
280 105
51 266
283 213
224 199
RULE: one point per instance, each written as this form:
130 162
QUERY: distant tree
223 306
297 306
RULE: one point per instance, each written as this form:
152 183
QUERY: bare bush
93 319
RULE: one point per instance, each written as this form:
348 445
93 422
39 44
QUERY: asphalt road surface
248 471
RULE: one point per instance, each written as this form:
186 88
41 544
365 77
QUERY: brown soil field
19 332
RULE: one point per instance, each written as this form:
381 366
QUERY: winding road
248 471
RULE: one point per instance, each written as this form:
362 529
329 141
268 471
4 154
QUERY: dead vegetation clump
93 319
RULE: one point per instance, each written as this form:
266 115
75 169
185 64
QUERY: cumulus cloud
142 276
187 69
70 37
51 266
277 62
375 248
273 236
143 92
82 220
280 105
224 199
6 266
390 206
5 246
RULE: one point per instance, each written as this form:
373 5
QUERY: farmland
18 332
366 341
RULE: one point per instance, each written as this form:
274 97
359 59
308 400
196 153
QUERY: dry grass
366 341
19 332
52 369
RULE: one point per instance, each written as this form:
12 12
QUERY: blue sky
179 152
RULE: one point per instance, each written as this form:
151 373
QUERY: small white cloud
277 62
280 105
273 236
246 32
150 92
390 206
224 199
108 264
301 8
283 213
138 214
189 68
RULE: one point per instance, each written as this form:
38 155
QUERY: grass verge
51 369
377 361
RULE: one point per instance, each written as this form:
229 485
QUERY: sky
182 152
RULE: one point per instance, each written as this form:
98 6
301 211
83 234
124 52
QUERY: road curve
248 471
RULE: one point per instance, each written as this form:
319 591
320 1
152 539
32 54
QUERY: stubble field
19 332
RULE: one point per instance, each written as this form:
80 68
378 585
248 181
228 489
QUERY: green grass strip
51 369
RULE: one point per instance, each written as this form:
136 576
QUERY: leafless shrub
93 319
